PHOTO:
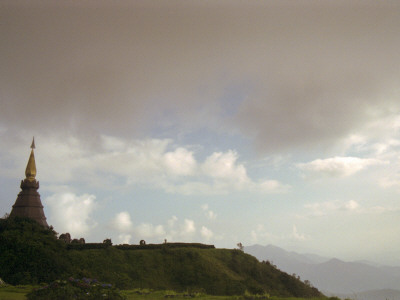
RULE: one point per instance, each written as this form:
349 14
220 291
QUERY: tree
240 246
107 242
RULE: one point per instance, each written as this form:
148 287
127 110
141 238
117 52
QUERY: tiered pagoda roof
28 202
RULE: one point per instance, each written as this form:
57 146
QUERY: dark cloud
308 73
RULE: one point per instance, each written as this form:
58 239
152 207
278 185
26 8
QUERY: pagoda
28 202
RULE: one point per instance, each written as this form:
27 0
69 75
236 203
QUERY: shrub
85 288
30 253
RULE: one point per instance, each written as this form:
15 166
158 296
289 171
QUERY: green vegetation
8 292
20 292
86 288
30 254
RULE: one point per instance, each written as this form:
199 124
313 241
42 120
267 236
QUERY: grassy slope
14 293
29 254
214 271
18 293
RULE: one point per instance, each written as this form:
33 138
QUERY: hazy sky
270 122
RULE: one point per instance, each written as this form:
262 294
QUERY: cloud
72 213
206 233
122 222
222 166
150 231
271 186
173 231
116 162
324 208
390 181
180 162
124 238
188 227
337 166
298 236
261 235
298 84
171 222
208 212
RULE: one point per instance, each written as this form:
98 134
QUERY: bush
85 288
30 253
144 246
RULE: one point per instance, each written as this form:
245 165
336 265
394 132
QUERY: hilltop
29 253
332 275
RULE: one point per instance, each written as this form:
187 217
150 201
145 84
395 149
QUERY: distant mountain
282 257
375 295
330 275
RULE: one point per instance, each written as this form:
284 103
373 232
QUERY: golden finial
30 171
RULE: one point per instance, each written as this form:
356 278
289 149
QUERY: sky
259 122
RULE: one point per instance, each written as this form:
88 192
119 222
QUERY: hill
31 254
330 275
378 294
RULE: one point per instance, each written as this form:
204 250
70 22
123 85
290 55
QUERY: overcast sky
269 122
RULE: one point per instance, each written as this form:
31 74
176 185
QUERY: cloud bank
297 74
72 213
150 163
172 231
337 166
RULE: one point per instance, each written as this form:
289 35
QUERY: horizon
259 122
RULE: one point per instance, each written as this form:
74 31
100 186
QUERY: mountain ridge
331 275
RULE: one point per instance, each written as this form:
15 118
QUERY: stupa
28 202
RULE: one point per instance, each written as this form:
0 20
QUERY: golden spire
30 171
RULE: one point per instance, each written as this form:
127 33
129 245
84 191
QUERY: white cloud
147 162
226 175
206 233
261 235
209 213
204 206
271 186
71 213
150 231
122 222
298 236
124 238
172 221
180 162
113 144
174 230
253 236
351 205
223 166
390 181
325 208
188 227
337 166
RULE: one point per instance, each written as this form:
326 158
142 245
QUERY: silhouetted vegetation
163 246
30 254
75 289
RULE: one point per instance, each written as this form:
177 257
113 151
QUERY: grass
158 295
161 295
18 293
9 292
